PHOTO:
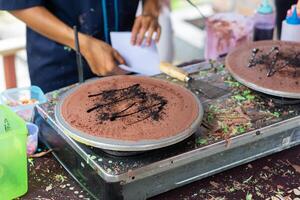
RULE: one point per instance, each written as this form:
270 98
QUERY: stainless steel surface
122 145
218 159
206 88
153 172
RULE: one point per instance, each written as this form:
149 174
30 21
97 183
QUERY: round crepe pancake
283 82
130 108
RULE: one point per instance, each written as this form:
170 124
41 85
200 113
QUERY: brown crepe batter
130 108
286 77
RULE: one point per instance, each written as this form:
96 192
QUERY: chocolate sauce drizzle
274 60
132 102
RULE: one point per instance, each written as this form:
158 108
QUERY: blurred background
182 40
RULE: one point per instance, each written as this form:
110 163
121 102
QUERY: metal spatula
210 91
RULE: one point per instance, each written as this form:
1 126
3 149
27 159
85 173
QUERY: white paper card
140 59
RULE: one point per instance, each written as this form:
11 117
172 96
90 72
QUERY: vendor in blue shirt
50 37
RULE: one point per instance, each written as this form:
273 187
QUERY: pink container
32 138
225 31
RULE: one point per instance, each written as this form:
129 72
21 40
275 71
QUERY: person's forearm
44 22
101 57
151 7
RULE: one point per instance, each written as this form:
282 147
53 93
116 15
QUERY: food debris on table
277 180
241 113
48 180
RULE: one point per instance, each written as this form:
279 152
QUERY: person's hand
101 57
142 25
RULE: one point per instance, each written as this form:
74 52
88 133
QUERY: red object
10 71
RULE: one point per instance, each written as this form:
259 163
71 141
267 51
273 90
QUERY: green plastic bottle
13 158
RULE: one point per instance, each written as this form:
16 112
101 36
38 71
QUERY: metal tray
122 145
150 173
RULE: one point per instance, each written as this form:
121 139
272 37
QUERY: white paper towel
140 59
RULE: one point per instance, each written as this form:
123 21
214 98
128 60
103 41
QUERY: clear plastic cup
23 100
32 138
225 31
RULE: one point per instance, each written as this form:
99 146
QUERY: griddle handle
174 71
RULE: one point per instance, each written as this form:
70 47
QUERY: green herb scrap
240 129
201 141
31 162
232 82
60 178
224 127
210 117
243 95
249 196
276 114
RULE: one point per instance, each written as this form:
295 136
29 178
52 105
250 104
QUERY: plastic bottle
264 22
13 159
291 27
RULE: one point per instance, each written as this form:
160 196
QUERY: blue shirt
52 65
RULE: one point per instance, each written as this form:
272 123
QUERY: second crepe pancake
272 67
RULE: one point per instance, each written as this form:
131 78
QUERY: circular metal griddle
260 88
122 145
